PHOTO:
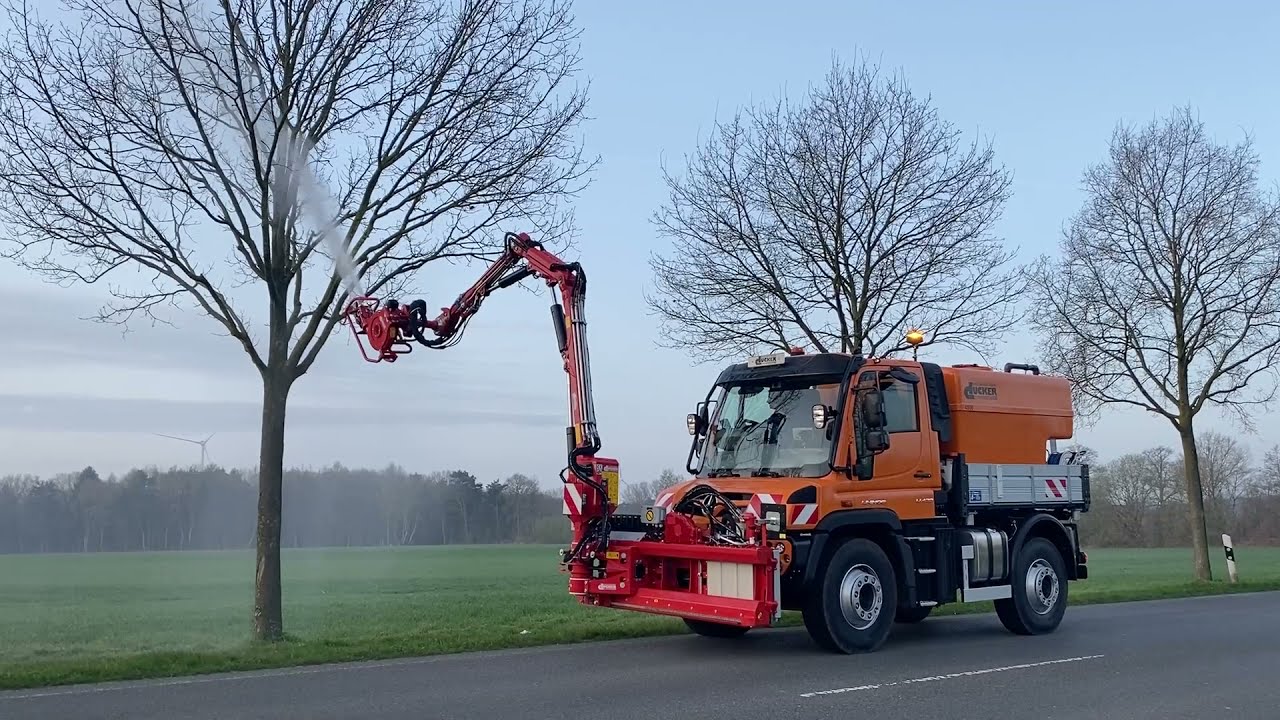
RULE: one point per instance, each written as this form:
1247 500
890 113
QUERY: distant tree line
1139 499
214 508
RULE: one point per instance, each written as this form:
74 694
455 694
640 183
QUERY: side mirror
873 409
697 422
821 416
872 438
865 467
877 441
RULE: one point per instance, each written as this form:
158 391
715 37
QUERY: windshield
767 430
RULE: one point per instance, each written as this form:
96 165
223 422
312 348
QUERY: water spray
320 207
291 174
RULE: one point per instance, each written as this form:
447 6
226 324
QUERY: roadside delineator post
1231 558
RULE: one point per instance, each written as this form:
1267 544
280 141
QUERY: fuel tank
1005 417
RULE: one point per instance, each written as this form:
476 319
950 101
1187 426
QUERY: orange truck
895 486
858 491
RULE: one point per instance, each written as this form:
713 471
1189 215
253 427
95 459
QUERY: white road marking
949 676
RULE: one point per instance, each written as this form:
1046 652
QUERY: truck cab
938 483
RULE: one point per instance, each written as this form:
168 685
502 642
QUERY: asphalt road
1213 657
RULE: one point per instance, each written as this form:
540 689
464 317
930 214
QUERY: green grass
77 618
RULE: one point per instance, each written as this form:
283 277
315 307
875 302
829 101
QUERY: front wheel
1039 590
851 609
716 630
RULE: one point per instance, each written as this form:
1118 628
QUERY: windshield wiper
766 473
722 473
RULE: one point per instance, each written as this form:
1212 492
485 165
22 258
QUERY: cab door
907 472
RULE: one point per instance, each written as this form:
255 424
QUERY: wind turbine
204 453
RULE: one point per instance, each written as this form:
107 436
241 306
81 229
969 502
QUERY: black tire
859 572
1039 585
908 615
715 630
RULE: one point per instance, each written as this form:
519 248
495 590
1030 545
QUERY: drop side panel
1036 486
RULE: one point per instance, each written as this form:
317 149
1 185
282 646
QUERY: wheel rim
861 597
1042 587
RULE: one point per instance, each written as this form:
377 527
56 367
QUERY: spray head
382 327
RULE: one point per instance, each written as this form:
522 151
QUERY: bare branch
141 135
1167 295
212 144
839 223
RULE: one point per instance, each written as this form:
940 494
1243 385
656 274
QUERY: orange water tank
1005 417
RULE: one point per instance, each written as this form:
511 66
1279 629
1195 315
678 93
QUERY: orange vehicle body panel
1003 418
1000 417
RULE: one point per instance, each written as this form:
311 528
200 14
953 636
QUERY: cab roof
817 364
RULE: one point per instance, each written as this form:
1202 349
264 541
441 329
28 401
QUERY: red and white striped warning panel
665 500
755 505
803 514
1056 488
572 500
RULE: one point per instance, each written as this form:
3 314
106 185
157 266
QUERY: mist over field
213 509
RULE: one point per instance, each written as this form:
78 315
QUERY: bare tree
1139 486
1261 512
1166 486
523 493
644 492
1226 470
1128 489
1167 293
191 144
838 223
1267 475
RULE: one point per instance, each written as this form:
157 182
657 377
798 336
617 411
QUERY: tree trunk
268 619
1195 503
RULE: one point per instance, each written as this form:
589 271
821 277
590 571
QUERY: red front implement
728 585
703 560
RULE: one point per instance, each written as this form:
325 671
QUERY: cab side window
900 404
900 408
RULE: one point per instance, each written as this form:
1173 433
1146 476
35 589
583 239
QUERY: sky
1046 82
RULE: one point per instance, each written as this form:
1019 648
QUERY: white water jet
318 204
294 171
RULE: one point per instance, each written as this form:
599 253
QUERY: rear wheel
851 609
1039 590
716 630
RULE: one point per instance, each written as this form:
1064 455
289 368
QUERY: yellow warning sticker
611 482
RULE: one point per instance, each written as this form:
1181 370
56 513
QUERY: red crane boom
665 570
389 327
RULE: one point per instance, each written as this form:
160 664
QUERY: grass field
71 618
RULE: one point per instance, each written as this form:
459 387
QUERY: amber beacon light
914 338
